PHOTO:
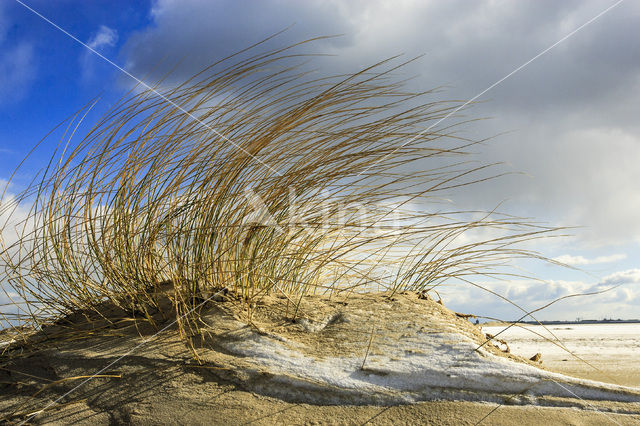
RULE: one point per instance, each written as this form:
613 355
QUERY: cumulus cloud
581 260
104 37
620 298
17 64
14 219
630 276
17 68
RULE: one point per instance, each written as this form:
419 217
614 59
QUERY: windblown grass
254 176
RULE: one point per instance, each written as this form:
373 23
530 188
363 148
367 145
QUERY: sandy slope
305 371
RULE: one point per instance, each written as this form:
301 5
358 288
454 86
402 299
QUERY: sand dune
421 365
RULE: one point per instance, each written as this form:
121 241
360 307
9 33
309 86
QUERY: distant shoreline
558 322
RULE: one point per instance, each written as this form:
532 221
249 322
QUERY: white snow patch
422 367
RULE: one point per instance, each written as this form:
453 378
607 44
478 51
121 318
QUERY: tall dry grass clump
254 176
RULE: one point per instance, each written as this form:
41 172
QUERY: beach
604 352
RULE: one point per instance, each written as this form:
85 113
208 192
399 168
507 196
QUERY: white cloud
629 276
104 37
14 218
619 301
17 71
581 260
17 64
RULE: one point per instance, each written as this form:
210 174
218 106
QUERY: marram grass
255 177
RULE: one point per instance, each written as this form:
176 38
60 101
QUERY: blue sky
49 76
570 117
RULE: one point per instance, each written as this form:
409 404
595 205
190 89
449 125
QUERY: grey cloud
196 33
630 276
468 45
572 112
585 177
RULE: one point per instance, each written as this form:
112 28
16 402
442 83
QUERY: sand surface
274 371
